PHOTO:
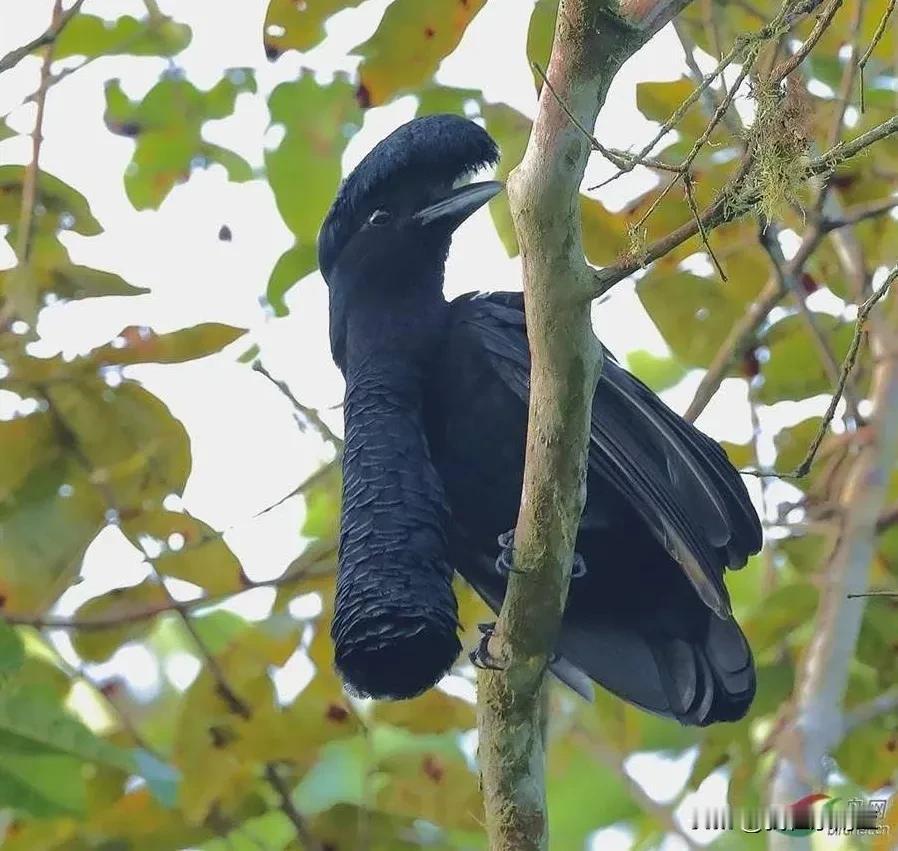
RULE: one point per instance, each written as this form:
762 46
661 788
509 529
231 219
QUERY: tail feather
696 682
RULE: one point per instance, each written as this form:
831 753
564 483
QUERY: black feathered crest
431 152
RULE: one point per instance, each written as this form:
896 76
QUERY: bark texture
592 40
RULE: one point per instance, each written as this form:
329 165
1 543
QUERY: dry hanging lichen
779 138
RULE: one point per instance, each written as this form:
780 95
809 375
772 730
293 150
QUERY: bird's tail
698 682
710 680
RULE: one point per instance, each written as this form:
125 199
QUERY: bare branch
789 278
741 335
60 22
823 22
880 30
306 415
847 366
297 571
613 759
544 191
859 213
815 726
29 182
733 202
864 713
309 842
690 199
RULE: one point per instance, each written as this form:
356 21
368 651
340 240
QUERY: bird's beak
459 203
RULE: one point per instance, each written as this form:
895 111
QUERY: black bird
436 415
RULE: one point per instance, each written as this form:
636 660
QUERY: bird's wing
676 478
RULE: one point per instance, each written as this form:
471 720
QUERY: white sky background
247 451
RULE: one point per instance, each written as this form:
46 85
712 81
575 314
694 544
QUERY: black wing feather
677 479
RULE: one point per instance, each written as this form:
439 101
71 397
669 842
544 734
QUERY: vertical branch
591 42
816 724
29 182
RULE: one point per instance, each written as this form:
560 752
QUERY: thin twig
78 672
864 713
859 213
618 158
272 775
60 21
29 181
879 593
845 88
612 759
307 415
239 707
739 338
709 96
744 49
690 198
862 62
789 277
847 365
298 571
733 202
820 27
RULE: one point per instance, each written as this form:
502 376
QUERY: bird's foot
505 562
481 656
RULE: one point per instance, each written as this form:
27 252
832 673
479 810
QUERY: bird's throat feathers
400 322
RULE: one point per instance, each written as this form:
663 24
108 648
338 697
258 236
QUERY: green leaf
794 369
659 373
47 525
693 314
91 36
317 122
98 645
293 264
438 99
12 650
41 784
792 443
60 204
604 233
323 500
425 777
298 26
740 454
659 101
142 345
337 778
432 712
575 811
203 557
409 44
167 127
781 612
511 130
540 34
28 442
30 723
129 439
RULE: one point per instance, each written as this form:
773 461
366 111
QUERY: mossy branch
592 40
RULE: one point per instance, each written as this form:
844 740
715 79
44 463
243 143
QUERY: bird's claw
481 657
505 562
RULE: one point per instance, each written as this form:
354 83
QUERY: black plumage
436 416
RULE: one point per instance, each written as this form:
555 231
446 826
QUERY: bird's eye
379 217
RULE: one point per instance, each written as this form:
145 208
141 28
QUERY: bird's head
402 202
